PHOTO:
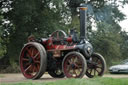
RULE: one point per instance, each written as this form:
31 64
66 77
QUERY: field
83 81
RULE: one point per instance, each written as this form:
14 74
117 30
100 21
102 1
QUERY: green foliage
124 44
31 17
94 81
106 40
100 10
2 48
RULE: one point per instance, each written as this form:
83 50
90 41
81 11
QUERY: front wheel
33 60
96 65
74 65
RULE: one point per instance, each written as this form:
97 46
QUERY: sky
124 23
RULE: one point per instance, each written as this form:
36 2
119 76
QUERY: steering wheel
58 35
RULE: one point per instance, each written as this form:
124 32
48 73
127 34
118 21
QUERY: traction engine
62 55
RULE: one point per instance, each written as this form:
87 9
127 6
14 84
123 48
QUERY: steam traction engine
61 55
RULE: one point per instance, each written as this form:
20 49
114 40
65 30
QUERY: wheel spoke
72 59
98 67
69 61
25 59
37 62
97 71
36 55
38 67
28 68
32 51
33 68
68 68
78 64
74 72
38 58
27 64
90 71
79 69
75 59
29 52
36 70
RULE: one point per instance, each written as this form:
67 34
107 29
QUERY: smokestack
83 21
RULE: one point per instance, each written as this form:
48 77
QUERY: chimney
83 21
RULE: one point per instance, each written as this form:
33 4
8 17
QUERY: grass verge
94 81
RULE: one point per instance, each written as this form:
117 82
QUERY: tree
26 17
124 44
106 40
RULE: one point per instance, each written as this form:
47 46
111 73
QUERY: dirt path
13 78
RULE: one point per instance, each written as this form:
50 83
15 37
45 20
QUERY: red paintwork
56 41
69 39
52 47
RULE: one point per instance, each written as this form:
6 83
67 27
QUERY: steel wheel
96 66
74 65
33 60
56 73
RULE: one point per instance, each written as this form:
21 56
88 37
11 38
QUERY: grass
94 81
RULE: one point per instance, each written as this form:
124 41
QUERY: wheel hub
91 66
73 66
31 60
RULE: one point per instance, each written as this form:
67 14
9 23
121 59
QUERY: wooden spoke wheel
33 60
74 65
96 66
56 73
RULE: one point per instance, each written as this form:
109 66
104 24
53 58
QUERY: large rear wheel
33 60
96 66
74 65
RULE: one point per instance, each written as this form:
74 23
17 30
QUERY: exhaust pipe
83 21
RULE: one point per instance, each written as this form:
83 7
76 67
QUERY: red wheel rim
30 61
73 66
95 68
